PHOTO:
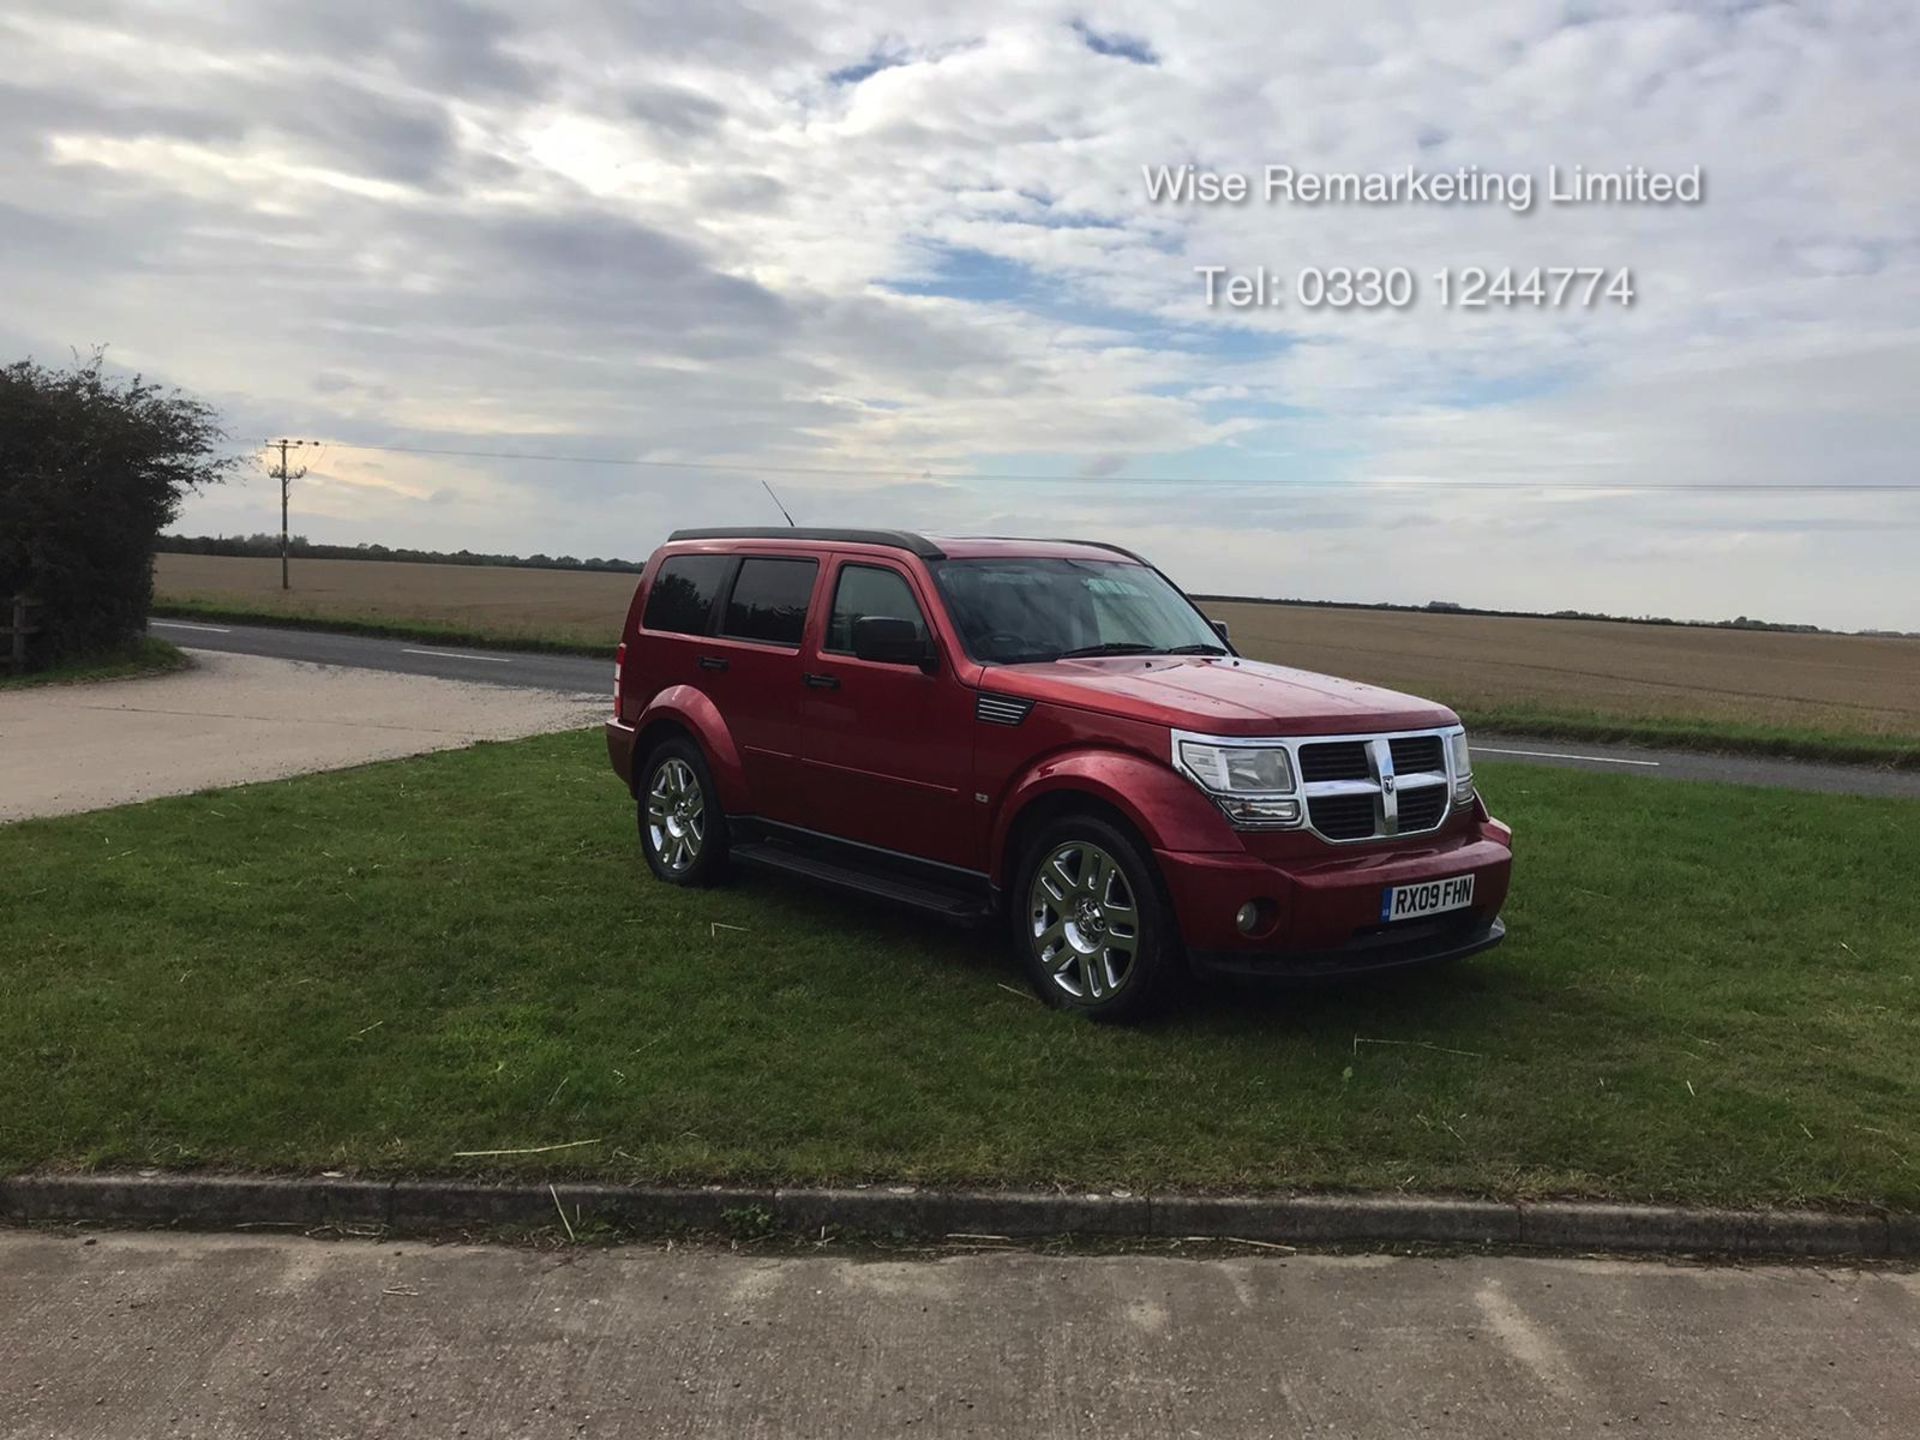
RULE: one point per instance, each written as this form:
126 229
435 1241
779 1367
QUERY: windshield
1014 610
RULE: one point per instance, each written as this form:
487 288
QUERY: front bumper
1323 910
1429 943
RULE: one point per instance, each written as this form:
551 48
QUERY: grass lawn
145 656
1710 994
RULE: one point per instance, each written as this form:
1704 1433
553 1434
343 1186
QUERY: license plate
1429 897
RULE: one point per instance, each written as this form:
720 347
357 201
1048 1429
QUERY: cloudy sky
898 259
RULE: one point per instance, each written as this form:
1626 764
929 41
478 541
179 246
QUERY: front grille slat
1343 817
1335 760
1422 808
1417 752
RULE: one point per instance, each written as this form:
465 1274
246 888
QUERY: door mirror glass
1220 629
890 641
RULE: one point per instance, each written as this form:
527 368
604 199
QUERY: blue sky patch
1120 47
865 69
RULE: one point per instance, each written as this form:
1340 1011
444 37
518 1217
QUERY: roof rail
1068 540
894 539
1105 545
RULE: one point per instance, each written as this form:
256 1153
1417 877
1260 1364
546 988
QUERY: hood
1218 695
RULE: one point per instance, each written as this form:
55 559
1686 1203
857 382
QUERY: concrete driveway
225 1336
238 718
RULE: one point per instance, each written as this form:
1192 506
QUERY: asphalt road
573 673
580 674
266 1336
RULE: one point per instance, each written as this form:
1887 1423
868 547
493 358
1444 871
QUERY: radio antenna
776 500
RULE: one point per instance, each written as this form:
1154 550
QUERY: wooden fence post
18 631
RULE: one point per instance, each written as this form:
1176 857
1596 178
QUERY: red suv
1049 730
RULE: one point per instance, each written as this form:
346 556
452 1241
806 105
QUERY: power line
286 478
903 472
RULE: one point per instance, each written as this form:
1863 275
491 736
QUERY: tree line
91 467
1448 607
300 547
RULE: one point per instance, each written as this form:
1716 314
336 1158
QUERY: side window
683 592
769 601
865 591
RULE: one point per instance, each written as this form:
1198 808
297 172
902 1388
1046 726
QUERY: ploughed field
1708 994
1575 676
1488 664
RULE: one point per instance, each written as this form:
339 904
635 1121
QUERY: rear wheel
683 833
1090 923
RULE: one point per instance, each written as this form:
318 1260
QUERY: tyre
1091 923
683 831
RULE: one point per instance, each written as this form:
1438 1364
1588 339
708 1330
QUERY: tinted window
1016 610
683 592
864 591
769 600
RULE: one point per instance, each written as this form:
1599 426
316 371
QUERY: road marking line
456 655
1557 755
182 625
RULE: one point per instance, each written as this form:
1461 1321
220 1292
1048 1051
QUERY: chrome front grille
1374 787
1353 788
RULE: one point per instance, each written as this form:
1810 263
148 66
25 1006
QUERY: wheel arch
1146 799
682 712
1155 969
651 737
1053 805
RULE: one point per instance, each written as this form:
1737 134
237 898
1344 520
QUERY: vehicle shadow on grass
1454 1003
1459 999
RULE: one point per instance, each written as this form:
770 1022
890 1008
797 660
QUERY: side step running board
950 903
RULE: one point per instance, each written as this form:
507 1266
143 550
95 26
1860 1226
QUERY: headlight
1251 783
1238 770
1462 766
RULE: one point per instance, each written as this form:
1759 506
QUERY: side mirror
890 641
1220 629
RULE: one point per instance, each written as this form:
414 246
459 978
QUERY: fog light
1253 917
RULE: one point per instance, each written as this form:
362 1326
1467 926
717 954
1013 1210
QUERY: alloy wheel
676 815
1084 923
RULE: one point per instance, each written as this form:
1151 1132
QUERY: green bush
91 468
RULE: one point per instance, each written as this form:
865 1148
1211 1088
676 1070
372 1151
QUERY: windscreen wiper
1200 648
1112 647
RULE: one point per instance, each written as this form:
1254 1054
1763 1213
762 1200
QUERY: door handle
821 682
713 662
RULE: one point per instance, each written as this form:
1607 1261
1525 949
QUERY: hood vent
1000 709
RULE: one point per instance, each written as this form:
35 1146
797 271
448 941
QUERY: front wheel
1094 933
683 832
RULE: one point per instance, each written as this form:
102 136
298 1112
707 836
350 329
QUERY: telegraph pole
286 478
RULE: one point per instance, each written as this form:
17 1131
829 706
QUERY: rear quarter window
683 593
769 601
